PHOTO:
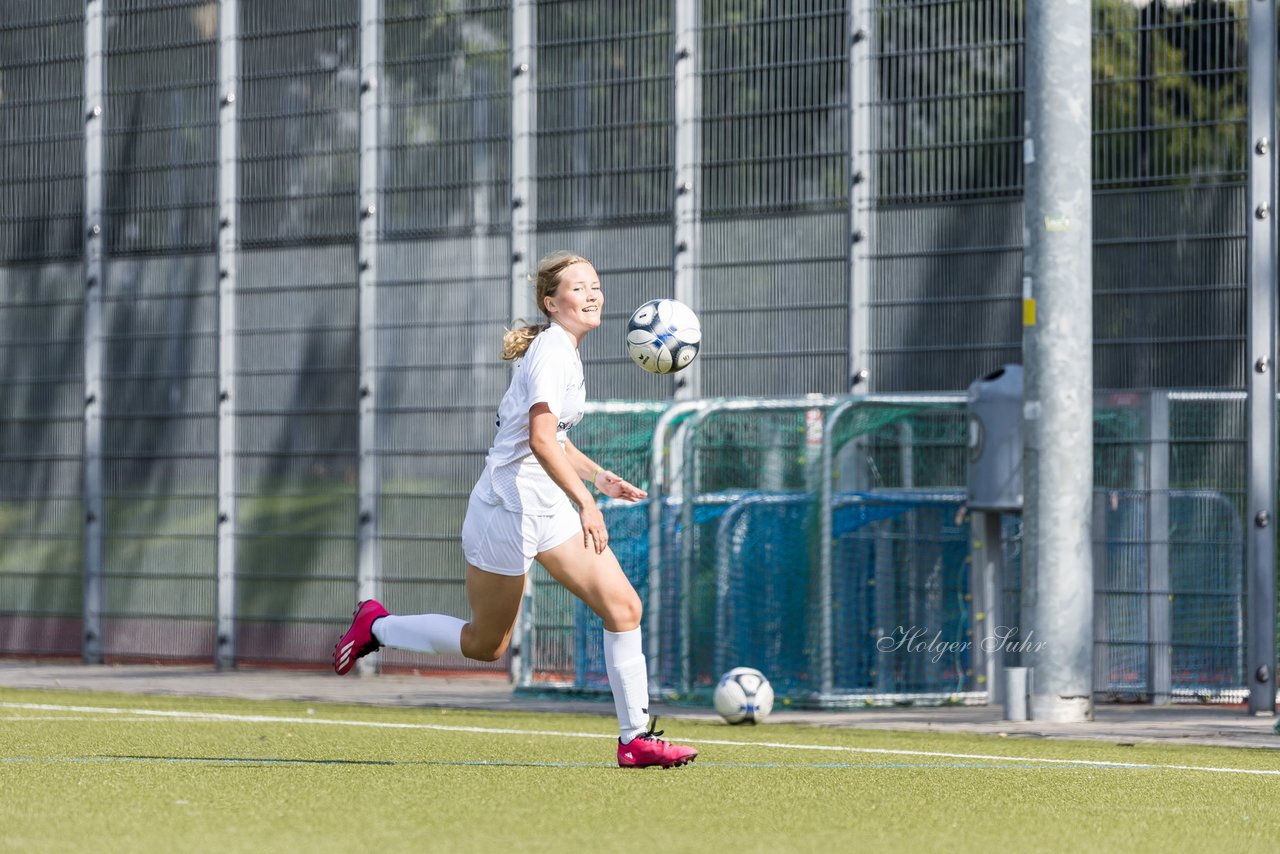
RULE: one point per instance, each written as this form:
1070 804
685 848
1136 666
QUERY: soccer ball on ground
663 336
744 696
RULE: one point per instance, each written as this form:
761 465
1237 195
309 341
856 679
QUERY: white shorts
499 540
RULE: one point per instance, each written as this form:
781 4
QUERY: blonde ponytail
515 343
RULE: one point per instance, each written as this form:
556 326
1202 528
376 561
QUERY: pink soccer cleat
359 640
647 750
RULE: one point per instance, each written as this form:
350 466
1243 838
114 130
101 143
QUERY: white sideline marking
878 751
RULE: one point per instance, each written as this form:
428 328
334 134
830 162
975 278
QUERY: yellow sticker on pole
1028 303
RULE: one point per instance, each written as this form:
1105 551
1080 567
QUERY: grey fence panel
1170 295
297 328
161 169
300 122
41 327
446 117
42 125
604 161
443 306
443 293
773 273
946 220
41 475
160 327
774 296
775 106
604 106
1170 205
160 400
946 293
298 427
1169 89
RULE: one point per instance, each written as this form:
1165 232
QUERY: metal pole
861 88
524 124
228 269
688 199
668 424
887 619
1159 628
368 569
1057 352
826 555
986 585
95 87
1261 544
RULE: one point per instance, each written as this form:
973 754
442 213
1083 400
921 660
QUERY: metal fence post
861 86
228 268
664 473
1261 543
524 125
987 580
368 569
1159 630
688 196
94 233
826 531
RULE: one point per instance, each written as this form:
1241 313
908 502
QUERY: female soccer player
531 503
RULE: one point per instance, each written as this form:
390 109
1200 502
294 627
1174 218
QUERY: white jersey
550 372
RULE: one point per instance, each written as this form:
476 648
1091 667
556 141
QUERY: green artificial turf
229 776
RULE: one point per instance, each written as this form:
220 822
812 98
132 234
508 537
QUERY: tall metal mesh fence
1170 166
297 327
945 256
160 323
41 327
443 290
775 171
42 164
856 190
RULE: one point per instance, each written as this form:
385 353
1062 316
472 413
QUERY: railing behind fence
827 543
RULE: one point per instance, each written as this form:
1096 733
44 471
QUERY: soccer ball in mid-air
663 336
744 696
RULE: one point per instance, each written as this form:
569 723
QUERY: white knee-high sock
431 633
628 673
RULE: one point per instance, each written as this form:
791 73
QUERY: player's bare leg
598 580
494 600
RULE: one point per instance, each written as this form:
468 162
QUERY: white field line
27 718
876 751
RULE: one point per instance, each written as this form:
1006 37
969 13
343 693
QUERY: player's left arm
604 480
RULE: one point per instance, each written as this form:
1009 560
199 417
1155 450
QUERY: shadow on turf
268 760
